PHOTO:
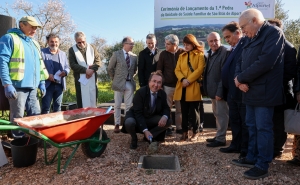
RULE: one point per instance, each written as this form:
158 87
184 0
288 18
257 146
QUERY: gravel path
118 165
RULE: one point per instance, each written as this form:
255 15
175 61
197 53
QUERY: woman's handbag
199 81
292 120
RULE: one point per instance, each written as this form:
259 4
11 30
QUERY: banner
200 17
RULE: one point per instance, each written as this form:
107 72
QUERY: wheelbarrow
66 129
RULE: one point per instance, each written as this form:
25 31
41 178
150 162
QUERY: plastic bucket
24 155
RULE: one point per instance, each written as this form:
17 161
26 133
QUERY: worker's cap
31 20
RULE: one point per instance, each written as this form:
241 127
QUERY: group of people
26 67
250 85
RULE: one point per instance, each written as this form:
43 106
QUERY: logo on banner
248 4
258 5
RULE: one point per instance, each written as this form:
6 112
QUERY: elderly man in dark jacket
150 113
212 84
290 71
260 77
237 110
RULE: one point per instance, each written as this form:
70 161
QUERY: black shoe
229 150
255 173
169 132
210 140
216 144
243 162
242 155
179 131
133 144
294 161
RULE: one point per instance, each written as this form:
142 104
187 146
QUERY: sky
115 19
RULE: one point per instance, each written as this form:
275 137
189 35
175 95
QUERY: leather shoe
117 129
216 144
229 150
210 140
133 145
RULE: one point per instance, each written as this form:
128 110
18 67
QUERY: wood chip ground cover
118 165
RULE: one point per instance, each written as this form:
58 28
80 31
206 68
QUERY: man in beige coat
121 68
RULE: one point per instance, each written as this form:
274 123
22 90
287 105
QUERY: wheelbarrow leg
71 156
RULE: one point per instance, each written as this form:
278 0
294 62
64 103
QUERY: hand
218 98
162 122
10 92
42 89
237 83
244 87
51 78
89 73
62 74
147 134
185 83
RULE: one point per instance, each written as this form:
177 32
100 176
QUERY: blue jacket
63 63
228 72
32 63
262 66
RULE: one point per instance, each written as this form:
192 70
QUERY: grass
105 93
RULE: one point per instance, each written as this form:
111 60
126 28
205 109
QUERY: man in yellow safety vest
22 69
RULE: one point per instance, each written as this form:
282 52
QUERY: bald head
253 13
250 21
214 41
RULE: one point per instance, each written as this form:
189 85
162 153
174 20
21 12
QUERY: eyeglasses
130 43
243 27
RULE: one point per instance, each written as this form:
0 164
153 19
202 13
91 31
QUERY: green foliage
291 28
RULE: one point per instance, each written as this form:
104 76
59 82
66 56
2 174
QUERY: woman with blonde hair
189 68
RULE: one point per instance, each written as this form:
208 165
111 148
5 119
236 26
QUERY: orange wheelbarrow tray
67 129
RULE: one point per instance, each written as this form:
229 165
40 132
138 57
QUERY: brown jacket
166 64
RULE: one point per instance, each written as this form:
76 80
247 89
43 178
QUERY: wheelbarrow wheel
93 149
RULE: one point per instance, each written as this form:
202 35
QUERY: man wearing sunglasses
84 60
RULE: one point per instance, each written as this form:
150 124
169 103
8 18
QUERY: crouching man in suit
149 113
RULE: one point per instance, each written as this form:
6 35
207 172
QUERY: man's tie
127 60
153 102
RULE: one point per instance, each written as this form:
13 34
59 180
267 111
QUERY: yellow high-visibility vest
17 63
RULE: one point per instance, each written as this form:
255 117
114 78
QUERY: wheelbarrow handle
5 122
13 127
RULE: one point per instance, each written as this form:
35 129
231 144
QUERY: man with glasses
22 69
212 84
237 110
260 76
84 60
122 68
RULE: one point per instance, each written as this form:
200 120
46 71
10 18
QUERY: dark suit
212 84
146 65
237 110
290 71
143 117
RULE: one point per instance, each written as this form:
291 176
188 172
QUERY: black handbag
199 81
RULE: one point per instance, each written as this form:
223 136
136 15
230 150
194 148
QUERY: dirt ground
118 165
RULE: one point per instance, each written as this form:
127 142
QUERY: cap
31 20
